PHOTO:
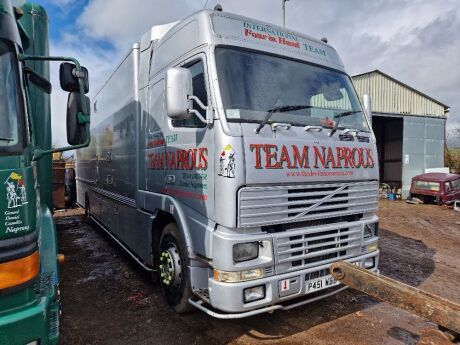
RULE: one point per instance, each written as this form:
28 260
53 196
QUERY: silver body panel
141 168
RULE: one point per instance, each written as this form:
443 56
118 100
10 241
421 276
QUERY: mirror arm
202 106
82 118
197 100
79 74
198 115
39 153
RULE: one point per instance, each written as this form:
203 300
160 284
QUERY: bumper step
202 294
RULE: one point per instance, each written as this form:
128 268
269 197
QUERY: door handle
313 128
277 125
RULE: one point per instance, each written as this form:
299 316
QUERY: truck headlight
245 251
239 276
371 230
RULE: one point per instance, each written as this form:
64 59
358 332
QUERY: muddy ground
107 299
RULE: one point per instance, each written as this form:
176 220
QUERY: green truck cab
29 268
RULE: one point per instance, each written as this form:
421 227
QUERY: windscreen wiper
281 109
338 117
6 139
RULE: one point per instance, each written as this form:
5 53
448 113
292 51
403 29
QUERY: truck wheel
173 270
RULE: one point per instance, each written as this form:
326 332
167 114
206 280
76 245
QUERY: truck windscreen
9 97
252 83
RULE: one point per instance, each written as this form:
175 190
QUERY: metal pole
368 106
283 11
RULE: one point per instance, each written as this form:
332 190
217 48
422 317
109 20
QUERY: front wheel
173 270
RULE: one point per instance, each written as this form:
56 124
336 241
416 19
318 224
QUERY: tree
453 151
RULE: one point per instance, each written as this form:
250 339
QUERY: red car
441 188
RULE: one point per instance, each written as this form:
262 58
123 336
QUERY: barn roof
404 85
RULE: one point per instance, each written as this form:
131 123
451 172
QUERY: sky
416 41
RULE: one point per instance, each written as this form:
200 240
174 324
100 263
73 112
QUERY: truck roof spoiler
155 33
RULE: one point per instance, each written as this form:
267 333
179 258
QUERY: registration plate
320 284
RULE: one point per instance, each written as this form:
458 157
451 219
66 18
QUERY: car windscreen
251 83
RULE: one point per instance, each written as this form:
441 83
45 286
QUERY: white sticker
171 208
285 285
233 113
406 159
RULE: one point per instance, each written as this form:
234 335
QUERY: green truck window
9 129
199 90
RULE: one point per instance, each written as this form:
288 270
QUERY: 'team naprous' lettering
272 156
192 159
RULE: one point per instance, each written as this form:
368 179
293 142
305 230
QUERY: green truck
29 262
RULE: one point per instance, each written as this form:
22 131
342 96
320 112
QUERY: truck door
189 145
155 143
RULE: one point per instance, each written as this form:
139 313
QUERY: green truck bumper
39 322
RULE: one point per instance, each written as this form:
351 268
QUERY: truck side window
199 90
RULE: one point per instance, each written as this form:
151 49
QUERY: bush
453 160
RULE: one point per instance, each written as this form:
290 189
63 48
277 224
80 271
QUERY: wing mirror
179 95
68 77
178 89
77 118
77 130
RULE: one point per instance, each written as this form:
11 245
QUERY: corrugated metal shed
391 96
409 127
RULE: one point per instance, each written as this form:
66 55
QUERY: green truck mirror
77 132
68 77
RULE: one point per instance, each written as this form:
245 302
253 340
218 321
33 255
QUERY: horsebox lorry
29 269
233 160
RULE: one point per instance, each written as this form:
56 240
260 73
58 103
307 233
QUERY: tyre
173 270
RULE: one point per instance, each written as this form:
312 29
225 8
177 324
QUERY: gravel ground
107 299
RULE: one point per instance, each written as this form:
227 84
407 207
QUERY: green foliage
453 151
453 160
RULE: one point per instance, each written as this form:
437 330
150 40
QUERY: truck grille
287 204
315 246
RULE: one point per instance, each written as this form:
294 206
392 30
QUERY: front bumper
39 322
228 297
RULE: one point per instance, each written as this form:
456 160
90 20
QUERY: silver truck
232 159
